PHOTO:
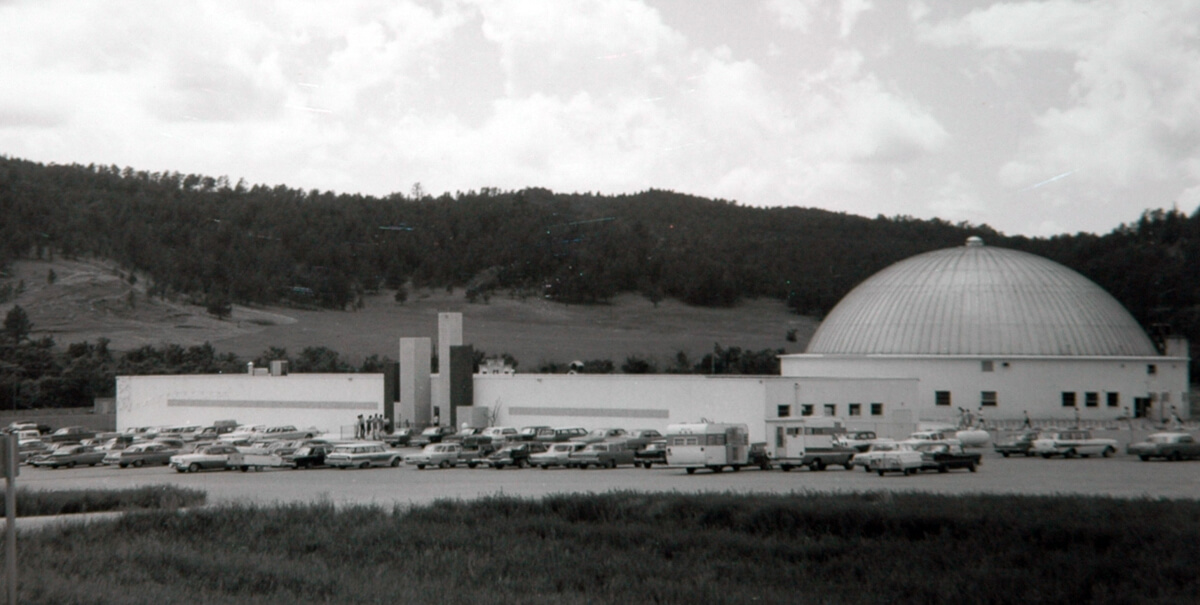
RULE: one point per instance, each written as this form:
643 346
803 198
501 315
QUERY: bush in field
633 548
33 503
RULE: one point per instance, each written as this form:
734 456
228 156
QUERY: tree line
207 240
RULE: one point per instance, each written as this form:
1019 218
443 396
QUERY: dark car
1021 444
942 457
69 456
652 454
433 434
515 455
400 437
71 434
147 453
535 433
309 456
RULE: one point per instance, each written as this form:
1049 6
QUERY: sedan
142 454
70 456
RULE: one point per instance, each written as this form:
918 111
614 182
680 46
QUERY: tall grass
34 503
633 548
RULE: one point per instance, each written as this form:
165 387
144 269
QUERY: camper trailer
710 445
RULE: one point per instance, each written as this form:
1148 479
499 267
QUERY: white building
1002 331
977 328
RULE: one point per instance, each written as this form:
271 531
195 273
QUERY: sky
1035 118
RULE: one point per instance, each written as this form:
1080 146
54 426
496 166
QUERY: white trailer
710 445
808 442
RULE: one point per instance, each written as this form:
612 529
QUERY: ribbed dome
978 300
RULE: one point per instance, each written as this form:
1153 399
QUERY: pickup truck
601 455
1020 444
1168 446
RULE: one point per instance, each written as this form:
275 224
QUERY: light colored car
28 449
211 457
1073 442
556 455
906 460
150 453
441 455
1168 446
186 433
921 437
606 434
856 440
284 433
500 434
877 449
364 454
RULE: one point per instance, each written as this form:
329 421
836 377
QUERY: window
1091 400
941 397
1114 400
855 409
806 409
1152 369
784 411
987 398
988 365
831 409
876 409
1068 399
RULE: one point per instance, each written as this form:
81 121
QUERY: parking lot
1121 476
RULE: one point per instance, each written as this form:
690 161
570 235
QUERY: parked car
462 434
640 438
441 455
876 450
515 455
186 433
1168 446
654 453
1071 443
70 456
601 455
943 457
364 454
174 442
1020 444
564 433
71 434
433 434
151 453
536 433
242 434
210 457
309 456
598 435
920 437
856 440
29 448
556 454
284 432
400 437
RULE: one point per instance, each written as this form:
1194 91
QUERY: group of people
370 427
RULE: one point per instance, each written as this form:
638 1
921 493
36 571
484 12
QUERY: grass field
90 299
632 548
34 503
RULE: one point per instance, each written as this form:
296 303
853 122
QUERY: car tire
737 467
193 467
817 465
880 472
1046 456
420 467
1005 454
180 470
942 468
848 466
122 464
70 465
612 463
395 462
136 464
647 465
1069 453
785 467
365 465
545 467
971 467
444 464
691 470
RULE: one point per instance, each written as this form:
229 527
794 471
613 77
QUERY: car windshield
433 430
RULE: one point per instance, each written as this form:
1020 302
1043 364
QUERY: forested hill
219 242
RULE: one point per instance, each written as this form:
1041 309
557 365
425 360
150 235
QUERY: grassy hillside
90 299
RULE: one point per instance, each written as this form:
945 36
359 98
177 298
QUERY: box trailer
808 442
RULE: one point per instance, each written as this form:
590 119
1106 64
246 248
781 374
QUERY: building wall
622 400
329 402
1022 384
883 405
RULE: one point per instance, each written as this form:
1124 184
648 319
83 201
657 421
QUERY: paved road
1120 476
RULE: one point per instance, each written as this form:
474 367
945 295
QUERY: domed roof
979 300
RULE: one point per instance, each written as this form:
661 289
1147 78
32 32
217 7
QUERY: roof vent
974 241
